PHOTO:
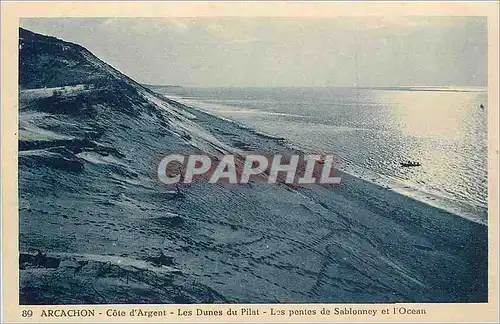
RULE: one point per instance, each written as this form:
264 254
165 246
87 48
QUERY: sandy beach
89 199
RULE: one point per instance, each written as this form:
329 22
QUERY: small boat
409 164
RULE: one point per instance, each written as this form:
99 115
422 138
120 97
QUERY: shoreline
430 199
357 200
96 226
252 243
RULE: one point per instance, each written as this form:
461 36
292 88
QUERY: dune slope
97 227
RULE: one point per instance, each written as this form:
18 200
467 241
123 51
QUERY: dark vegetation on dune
97 227
50 62
91 108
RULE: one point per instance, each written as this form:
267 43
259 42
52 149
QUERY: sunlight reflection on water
372 131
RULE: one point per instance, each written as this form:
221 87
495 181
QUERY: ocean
370 131
89 198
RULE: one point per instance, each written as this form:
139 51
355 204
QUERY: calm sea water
370 131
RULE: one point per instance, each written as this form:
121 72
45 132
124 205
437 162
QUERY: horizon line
449 87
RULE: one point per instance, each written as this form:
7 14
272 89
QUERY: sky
262 52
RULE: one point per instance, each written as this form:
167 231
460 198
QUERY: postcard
249 162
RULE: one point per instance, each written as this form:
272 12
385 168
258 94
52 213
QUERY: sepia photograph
252 160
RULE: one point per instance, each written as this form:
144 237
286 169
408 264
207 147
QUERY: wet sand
248 243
